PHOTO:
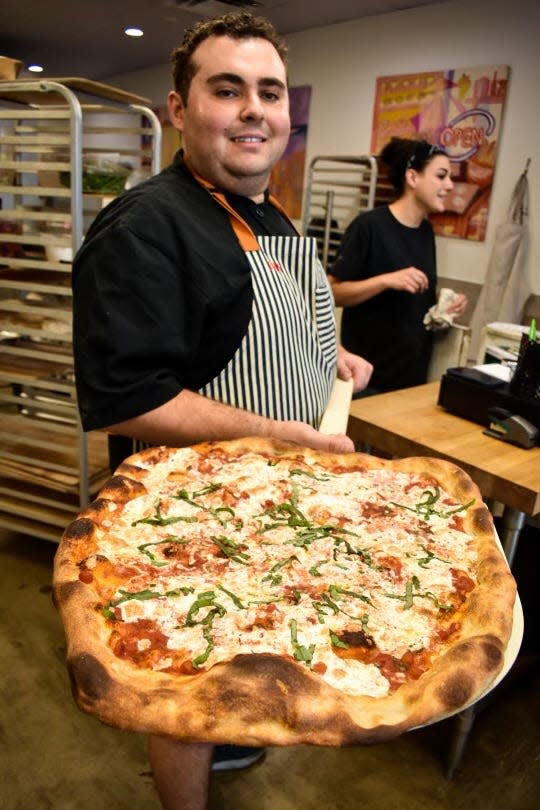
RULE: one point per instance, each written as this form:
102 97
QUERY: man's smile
249 139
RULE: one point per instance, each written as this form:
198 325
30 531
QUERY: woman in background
385 275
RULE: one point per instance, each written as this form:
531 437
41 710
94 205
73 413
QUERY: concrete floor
53 756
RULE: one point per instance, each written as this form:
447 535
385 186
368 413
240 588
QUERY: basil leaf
232 596
425 506
297 471
145 548
300 652
231 549
159 520
423 562
203 657
272 575
314 570
204 599
337 642
336 591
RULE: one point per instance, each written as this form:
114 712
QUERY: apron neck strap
243 232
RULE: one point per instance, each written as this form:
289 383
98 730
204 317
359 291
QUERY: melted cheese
288 560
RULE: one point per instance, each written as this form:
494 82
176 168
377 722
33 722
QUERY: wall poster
287 180
460 109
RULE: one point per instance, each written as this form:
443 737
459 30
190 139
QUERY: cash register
509 409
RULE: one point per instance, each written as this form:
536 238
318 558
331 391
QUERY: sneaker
235 757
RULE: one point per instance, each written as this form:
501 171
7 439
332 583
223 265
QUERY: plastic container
102 174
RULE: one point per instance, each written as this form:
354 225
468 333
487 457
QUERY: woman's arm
351 293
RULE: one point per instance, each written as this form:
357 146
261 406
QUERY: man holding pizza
199 312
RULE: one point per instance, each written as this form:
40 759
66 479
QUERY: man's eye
269 96
225 92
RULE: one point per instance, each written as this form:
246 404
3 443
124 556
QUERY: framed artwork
460 109
287 179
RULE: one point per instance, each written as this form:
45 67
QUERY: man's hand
353 367
307 436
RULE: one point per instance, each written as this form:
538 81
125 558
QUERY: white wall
342 62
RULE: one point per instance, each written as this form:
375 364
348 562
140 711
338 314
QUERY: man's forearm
189 418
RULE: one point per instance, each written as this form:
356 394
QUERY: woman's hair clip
422 154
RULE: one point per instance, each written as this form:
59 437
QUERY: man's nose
253 106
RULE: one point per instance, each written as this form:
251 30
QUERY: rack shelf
339 187
49 468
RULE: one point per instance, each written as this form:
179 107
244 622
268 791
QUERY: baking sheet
514 642
510 655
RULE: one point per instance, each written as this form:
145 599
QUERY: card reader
511 428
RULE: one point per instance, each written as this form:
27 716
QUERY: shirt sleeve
131 328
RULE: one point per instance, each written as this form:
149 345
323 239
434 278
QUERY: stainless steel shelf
339 187
49 469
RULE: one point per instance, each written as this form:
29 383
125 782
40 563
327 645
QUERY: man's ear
176 110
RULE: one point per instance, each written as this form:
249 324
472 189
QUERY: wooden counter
410 423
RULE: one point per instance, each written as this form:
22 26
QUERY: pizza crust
263 698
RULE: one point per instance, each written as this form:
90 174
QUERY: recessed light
134 32
35 68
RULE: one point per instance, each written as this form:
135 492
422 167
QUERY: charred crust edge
80 529
122 489
90 680
481 520
457 689
269 668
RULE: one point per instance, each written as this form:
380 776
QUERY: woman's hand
458 306
409 279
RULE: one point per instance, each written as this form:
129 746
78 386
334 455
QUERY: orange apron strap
244 234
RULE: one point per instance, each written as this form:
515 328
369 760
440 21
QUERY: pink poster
460 109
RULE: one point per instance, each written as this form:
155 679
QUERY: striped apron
285 366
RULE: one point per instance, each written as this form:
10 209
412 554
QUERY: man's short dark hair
238 25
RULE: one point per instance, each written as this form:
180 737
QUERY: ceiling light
134 32
35 68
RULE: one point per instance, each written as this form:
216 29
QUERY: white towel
438 317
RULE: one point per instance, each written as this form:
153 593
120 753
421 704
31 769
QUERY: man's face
235 125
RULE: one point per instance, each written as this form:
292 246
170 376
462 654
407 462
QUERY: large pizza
259 593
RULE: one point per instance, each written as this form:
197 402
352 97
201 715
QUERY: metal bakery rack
53 135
